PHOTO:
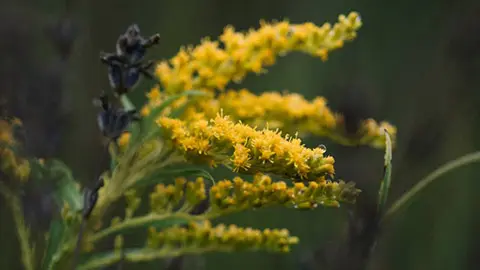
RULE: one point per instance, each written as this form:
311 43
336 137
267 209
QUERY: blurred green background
414 64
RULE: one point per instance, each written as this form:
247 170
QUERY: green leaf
385 184
57 174
160 176
37 172
55 236
66 188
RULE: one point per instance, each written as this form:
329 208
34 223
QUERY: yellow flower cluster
209 66
373 133
10 163
202 236
165 198
238 195
290 113
246 149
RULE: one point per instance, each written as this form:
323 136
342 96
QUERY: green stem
141 221
144 254
387 176
447 167
23 233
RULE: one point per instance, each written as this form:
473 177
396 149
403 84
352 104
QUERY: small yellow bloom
145 111
154 94
124 139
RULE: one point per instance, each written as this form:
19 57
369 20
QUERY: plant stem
28 257
141 221
144 254
447 167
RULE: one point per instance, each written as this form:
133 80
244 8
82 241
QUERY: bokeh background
414 63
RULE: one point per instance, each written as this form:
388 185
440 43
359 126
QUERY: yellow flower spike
291 159
296 114
229 196
209 67
231 238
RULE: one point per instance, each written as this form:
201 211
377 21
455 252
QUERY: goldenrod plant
192 122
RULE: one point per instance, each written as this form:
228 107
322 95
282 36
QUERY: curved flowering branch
290 113
197 238
203 235
171 204
210 67
175 201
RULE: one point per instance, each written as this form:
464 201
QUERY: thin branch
141 221
447 167
23 233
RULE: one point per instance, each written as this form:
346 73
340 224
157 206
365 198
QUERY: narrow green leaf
55 236
385 184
